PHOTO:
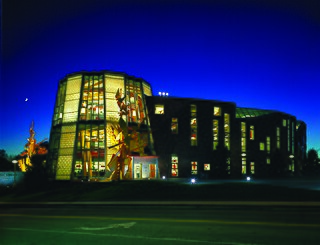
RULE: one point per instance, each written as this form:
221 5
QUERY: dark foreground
192 224
163 191
160 212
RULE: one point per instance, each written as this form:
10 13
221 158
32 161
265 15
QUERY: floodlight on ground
248 178
193 180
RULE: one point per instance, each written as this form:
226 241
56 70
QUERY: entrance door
152 170
137 171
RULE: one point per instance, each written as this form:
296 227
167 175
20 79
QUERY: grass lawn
154 191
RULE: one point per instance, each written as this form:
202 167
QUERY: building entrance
137 171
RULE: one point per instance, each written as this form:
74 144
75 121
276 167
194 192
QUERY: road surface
167 224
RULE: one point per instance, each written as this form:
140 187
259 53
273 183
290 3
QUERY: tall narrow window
268 144
206 167
194 167
292 138
243 136
251 132
174 125
134 103
193 110
92 103
284 122
174 166
194 125
215 134
227 130
244 165
217 111
90 157
278 138
252 167
261 146
288 129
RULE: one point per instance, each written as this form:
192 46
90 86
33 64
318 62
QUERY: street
190 224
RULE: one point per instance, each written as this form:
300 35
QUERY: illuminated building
100 129
272 142
214 139
104 124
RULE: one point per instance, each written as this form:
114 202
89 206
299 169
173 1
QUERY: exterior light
14 167
248 178
243 154
193 181
291 156
163 93
163 177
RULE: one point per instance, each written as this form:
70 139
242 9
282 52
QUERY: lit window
227 130
284 122
268 160
159 109
194 131
244 165
207 166
243 136
252 167
278 137
194 167
193 110
292 138
288 135
174 166
174 125
261 146
216 111
215 134
268 144
251 132
292 166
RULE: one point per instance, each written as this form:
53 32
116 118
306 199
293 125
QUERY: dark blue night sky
258 54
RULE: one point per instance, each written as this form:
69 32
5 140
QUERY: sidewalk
167 203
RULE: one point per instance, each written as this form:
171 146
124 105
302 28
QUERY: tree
312 157
312 163
221 158
37 174
5 164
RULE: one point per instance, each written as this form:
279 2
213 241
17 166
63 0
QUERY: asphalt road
146 224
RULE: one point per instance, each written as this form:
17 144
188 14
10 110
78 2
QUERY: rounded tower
100 130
